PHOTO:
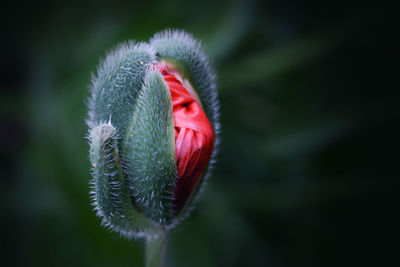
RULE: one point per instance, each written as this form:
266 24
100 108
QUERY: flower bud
153 127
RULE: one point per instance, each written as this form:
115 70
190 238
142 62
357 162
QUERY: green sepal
149 149
185 53
115 87
110 190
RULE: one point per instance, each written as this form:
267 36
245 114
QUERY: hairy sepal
115 87
184 53
150 150
110 191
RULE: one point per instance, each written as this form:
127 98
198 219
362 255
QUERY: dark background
309 152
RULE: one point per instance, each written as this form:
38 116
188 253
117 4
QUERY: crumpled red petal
194 138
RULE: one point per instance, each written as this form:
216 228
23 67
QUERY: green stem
156 249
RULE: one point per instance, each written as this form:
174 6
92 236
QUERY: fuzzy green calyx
131 131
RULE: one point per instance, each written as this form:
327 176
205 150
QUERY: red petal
194 138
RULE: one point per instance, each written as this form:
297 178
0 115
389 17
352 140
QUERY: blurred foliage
307 160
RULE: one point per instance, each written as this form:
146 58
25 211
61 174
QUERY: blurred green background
308 157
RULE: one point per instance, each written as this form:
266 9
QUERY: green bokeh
306 112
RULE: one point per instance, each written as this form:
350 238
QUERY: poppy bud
153 127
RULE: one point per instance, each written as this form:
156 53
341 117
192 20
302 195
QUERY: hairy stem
156 249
